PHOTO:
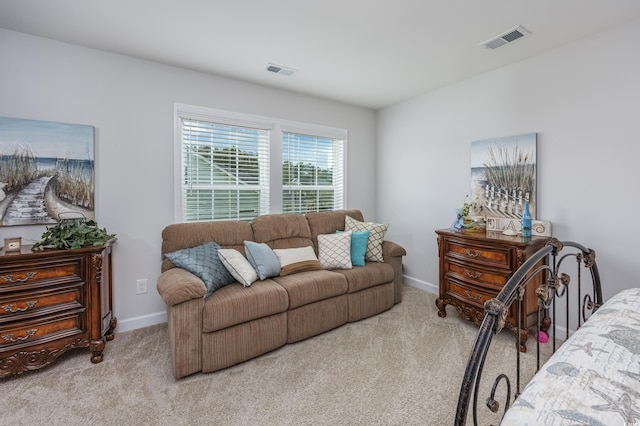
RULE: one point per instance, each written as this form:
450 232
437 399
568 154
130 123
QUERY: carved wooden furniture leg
96 347
442 313
112 326
524 336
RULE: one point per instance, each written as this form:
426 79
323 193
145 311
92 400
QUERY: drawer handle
9 308
471 297
473 254
9 337
474 275
9 278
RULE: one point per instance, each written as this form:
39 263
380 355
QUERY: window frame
276 126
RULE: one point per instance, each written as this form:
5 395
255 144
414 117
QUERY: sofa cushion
203 262
295 260
377 232
334 250
282 231
371 275
312 286
238 266
235 304
227 234
263 259
328 222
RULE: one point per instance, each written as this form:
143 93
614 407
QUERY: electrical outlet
141 286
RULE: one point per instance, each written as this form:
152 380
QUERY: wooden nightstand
474 266
52 301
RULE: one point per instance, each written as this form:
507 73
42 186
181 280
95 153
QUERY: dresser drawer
465 251
471 273
21 305
468 293
44 329
25 277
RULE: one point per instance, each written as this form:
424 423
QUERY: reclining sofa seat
238 323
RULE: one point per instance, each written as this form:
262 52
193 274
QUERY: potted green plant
73 233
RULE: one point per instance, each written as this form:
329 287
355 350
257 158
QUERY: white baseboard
141 322
422 285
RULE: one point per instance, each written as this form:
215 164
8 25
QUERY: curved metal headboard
554 285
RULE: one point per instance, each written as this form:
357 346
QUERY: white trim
275 164
141 322
177 166
243 119
422 285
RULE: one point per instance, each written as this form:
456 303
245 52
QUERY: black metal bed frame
555 285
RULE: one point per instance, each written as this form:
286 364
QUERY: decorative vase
526 220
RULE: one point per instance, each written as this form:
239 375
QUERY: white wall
130 102
582 99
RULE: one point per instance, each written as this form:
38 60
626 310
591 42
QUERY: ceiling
370 53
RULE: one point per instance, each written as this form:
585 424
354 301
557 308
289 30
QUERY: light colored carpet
402 367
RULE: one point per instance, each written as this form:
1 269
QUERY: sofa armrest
392 249
178 285
392 254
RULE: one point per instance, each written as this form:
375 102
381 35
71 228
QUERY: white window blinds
312 173
225 171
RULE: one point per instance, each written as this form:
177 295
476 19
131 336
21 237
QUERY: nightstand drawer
500 257
30 304
481 277
469 294
29 277
43 329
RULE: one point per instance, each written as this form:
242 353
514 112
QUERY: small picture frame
12 244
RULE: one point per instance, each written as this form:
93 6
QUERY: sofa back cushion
328 222
227 234
281 231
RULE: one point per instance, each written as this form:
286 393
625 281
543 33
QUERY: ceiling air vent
506 37
279 69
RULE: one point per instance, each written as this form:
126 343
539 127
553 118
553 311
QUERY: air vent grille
279 69
506 37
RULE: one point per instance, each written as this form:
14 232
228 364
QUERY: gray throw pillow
203 262
263 259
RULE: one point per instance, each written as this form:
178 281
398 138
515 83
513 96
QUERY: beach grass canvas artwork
503 176
46 171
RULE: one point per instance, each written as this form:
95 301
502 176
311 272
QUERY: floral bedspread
594 377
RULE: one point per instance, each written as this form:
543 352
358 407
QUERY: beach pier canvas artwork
47 171
503 177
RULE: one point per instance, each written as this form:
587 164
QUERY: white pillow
295 260
334 250
238 266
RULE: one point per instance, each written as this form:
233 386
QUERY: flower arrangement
464 221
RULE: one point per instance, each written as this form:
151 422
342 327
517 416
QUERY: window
238 166
310 180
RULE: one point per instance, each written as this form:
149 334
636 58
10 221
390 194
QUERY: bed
592 376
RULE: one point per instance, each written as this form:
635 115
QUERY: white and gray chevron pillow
334 250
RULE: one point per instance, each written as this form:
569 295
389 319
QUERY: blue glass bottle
526 220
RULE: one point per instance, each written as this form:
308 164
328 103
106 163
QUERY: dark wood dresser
474 266
52 301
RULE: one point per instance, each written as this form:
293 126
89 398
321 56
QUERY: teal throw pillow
359 240
203 262
263 259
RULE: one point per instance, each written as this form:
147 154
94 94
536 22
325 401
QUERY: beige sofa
237 323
